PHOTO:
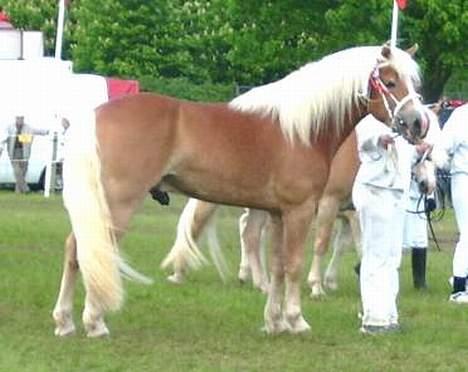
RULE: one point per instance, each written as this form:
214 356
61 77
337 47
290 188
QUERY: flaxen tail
85 200
185 252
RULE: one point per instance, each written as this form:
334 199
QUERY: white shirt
384 168
455 139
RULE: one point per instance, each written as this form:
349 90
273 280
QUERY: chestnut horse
268 149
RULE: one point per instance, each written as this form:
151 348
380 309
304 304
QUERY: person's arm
39 132
373 138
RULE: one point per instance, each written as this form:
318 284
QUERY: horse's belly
223 191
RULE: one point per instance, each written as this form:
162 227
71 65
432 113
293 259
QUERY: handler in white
455 142
380 197
415 224
415 235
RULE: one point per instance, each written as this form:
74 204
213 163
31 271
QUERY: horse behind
269 149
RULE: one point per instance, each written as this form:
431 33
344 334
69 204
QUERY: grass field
206 325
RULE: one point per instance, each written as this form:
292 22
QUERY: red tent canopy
119 87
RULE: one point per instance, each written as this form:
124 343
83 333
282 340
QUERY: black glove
430 205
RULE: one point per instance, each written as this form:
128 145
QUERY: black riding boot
418 264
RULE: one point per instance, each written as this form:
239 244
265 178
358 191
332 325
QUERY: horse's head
392 94
424 172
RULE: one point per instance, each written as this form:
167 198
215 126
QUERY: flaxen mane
330 87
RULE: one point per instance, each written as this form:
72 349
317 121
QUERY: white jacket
384 168
455 140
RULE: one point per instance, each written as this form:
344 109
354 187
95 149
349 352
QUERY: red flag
402 4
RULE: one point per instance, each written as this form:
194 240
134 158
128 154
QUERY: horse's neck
334 142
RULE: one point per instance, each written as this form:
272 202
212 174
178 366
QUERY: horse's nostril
423 187
417 125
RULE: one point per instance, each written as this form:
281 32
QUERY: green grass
206 325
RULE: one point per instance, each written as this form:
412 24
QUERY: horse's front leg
296 228
273 315
251 225
62 313
327 211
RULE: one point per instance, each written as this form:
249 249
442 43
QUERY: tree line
244 42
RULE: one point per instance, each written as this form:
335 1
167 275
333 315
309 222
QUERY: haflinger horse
268 149
335 204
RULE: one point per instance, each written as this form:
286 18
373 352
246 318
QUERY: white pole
59 36
394 36
49 177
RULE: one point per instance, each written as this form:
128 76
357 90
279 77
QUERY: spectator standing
19 141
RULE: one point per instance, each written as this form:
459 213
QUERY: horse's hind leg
63 308
327 211
353 222
192 222
251 225
341 241
121 209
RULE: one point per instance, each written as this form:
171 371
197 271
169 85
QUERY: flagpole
394 35
59 37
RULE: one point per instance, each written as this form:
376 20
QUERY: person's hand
422 147
385 140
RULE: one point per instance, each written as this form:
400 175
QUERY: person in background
415 224
19 141
455 143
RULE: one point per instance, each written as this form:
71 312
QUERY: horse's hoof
317 293
274 329
175 278
263 287
64 325
244 275
331 284
99 330
68 330
298 325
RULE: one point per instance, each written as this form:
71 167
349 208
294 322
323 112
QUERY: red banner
119 87
402 4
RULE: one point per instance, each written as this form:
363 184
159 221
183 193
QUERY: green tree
34 15
439 27
250 42
271 38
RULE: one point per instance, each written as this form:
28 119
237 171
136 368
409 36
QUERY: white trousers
381 213
415 225
459 183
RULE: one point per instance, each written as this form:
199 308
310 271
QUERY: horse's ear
386 51
412 51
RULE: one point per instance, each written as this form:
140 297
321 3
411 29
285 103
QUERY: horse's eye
390 84
402 123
